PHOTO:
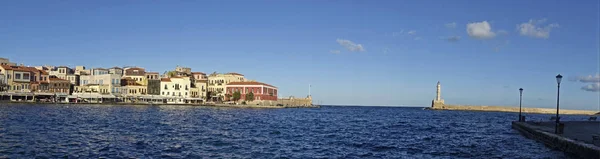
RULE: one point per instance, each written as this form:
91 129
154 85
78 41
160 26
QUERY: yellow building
138 74
216 83
18 78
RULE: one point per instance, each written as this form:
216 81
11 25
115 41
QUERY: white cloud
334 51
412 32
533 28
588 79
594 87
480 30
451 25
451 38
351 46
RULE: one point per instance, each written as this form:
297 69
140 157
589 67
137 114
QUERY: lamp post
520 101
558 79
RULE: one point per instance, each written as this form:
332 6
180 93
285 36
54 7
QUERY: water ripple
93 131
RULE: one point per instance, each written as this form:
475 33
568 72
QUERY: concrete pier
577 137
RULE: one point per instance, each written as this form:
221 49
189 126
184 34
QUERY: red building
261 91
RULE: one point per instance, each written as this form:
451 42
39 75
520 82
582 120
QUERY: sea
120 131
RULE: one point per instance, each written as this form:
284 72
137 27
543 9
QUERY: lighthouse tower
438 102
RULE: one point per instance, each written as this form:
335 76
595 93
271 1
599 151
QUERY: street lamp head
558 78
521 90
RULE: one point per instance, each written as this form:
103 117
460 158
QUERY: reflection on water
82 131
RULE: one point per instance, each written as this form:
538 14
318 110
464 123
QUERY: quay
53 98
578 138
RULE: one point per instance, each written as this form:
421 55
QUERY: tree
250 96
236 96
171 73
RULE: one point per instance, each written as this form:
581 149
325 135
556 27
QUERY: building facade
138 74
175 89
153 83
60 72
130 87
57 85
110 82
261 91
116 70
18 78
217 83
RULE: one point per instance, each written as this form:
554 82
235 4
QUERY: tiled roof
165 80
202 73
17 68
152 73
249 83
116 67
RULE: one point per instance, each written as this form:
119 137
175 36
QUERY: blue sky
352 52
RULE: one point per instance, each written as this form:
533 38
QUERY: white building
111 83
175 89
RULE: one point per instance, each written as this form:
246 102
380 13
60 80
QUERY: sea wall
567 145
513 109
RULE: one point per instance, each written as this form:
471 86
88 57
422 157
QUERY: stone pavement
576 130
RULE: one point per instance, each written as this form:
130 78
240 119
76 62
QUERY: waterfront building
73 79
104 84
18 78
57 85
153 83
217 83
80 69
99 71
131 90
199 85
60 72
2 81
175 89
261 91
138 74
115 70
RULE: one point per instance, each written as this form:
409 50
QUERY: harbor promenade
578 138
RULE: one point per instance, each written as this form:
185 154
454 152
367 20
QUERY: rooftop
233 73
165 80
18 68
249 83
202 73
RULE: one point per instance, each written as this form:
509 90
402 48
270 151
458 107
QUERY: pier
579 138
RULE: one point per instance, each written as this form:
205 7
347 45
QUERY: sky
373 53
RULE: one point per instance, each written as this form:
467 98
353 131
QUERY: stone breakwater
512 109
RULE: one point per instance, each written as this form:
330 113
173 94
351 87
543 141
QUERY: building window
17 76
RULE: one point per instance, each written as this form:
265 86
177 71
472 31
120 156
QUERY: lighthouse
438 102
438 95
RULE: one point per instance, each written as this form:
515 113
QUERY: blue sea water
100 131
